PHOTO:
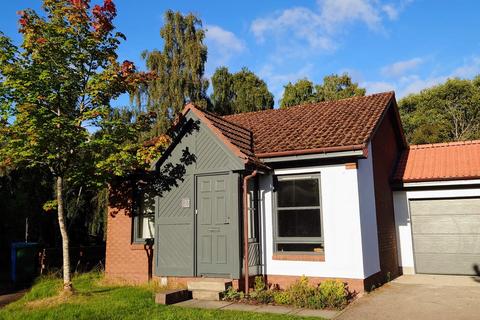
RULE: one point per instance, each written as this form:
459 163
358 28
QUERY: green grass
96 300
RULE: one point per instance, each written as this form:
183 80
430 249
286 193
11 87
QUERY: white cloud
276 81
401 67
391 11
301 29
406 84
377 86
222 44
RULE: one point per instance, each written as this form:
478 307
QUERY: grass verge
97 299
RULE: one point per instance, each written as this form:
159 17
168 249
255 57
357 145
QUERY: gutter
324 155
245 227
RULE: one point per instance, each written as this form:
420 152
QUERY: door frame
232 183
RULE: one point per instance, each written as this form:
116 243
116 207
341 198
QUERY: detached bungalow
313 182
307 190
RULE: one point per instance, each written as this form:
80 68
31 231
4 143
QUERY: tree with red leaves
58 86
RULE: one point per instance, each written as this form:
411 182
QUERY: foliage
301 292
281 297
261 293
334 87
331 294
239 92
232 294
297 93
446 112
56 89
178 68
328 294
98 299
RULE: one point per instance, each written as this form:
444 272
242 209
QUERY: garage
446 235
437 208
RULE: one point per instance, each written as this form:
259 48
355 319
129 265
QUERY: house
437 208
323 190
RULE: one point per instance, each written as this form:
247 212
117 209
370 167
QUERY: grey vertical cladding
175 237
446 235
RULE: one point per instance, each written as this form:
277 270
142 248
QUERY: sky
400 45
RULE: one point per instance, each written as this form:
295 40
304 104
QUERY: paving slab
275 309
409 298
327 314
242 307
203 304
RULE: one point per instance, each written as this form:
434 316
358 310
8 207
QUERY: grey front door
214 218
446 235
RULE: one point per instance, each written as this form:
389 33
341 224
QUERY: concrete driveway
419 297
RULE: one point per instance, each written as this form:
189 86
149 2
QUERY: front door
214 220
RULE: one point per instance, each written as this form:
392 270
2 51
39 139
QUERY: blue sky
401 45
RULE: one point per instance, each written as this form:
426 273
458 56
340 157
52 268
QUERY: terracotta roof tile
319 127
441 161
341 125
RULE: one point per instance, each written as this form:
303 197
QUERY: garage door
446 235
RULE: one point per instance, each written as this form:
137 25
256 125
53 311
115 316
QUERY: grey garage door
446 235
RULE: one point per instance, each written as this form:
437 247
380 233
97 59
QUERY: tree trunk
67 283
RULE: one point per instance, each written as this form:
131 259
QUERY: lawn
96 299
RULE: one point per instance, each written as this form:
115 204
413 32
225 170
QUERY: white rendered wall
368 215
341 226
402 218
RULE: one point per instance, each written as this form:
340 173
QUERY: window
144 221
298 218
252 201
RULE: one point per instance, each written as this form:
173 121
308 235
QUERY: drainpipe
245 226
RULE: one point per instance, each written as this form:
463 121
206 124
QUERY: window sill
137 246
298 256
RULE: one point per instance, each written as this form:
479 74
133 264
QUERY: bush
261 293
232 294
333 294
281 297
300 292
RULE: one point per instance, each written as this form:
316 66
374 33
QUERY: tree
223 92
239 92
297 93
56 89
446 112
179 69
334 87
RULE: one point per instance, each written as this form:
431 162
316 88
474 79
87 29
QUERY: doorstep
225 305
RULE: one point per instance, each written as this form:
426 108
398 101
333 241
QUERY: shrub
281 297
330 294
300 292
261 293
232 294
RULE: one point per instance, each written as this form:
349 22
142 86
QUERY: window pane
307 247
147 205
298 193
146 218
146 227
299 223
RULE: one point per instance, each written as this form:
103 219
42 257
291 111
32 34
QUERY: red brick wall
124 260
386 148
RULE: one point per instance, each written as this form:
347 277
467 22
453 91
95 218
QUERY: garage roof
440 162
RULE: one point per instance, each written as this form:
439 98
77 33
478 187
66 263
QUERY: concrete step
209 284
206 295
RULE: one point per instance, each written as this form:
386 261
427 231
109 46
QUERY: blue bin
23 262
